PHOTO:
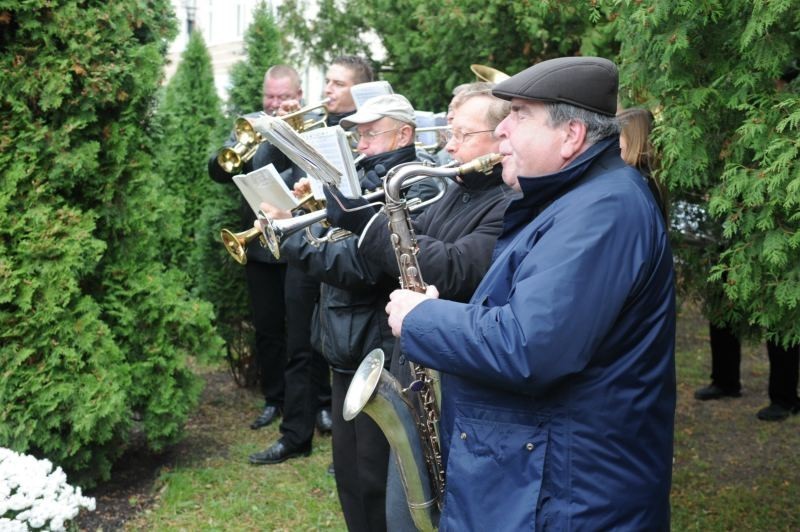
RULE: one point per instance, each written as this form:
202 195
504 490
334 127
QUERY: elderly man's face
472 134
530 146
381 136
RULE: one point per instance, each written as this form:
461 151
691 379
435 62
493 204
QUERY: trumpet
433 147
236 243
231 159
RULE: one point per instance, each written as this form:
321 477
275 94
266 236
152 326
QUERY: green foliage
95 329
430 44
193 127
263 48
722 77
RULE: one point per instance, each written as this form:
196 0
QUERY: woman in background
637 150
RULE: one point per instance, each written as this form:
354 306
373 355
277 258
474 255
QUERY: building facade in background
223 24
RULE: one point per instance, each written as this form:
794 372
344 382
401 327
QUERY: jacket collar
334 118
389 159
538 192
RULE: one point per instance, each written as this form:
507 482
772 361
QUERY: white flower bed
34 496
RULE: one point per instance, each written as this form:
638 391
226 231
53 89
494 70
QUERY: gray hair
598 126
496 109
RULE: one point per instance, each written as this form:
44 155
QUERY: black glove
374 178
353 221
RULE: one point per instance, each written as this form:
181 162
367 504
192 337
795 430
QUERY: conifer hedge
96 331
194 129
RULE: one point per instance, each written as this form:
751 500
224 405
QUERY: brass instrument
488 74
377 393
236 243
434 146
248 139
274 231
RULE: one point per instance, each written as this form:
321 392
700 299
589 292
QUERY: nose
501 131
450 147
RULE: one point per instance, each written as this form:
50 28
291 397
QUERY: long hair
636 125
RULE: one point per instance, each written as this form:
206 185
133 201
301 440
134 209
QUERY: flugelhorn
488 74
236 243
231 159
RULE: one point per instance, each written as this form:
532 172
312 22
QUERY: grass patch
731 471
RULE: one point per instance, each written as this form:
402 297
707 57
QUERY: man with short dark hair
558 378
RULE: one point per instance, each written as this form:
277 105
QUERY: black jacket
349 320
456 236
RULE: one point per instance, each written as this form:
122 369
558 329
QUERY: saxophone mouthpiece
484 164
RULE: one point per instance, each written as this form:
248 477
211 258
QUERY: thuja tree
722 78
263 48
96 331
430 44
194 128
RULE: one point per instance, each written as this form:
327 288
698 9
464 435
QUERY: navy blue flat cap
587 82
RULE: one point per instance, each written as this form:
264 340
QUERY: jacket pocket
494 474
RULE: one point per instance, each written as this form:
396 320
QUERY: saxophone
413 435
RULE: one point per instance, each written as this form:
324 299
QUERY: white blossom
34 496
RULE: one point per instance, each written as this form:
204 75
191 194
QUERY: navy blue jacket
558 377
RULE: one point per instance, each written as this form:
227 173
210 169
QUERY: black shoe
279 452
267 416
776 412
331 471
324 421
712 391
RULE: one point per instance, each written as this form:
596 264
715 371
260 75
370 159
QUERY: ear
405 135
573 139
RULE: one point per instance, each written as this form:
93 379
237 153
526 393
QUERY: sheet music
265 185
331 143
286 139
364 91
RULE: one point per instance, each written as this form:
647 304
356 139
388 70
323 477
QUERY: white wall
223 24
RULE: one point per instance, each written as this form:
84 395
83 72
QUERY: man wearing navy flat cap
558 378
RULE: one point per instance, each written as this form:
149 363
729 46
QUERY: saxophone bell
375 392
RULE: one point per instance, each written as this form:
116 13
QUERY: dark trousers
726 357
360 460
265 286
307 375
784 366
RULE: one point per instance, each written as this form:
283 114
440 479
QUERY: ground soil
131 488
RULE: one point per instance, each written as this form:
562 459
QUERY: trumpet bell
488 74
236 243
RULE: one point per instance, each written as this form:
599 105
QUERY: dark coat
455 235
349 319
558 379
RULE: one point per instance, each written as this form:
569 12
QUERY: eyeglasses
459 137
369 136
